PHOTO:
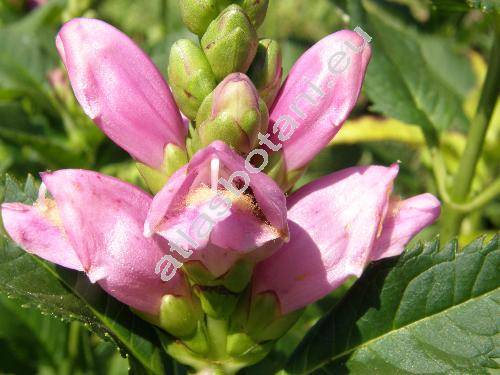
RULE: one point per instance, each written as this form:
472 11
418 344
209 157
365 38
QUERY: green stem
452 218
217 330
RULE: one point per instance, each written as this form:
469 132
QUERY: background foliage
438 301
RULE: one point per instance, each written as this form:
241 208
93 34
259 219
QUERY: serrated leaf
431 311
69 295
405 78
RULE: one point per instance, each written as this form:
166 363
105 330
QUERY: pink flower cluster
302 246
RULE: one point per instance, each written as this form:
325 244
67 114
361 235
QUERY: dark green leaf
406 78
431 311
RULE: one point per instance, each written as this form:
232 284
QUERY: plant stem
452 218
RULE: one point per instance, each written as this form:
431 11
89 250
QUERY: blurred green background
439 49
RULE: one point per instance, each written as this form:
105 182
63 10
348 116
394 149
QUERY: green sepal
190 76
266 70
265 321
181 353
239 276
235 280
179 316
292 177
198 274
198 342
216 302
230 42
243 348
276 168
277 328
174 158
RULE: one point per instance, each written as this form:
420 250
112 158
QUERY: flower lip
268 196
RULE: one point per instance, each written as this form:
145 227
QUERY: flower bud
174 158
233 113
230 42
179 316
190 76
266 70
197 14
256 10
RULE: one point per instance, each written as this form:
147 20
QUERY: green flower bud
233 113
266 70
197 14
190 76
230 42
174 158
179 316
256 10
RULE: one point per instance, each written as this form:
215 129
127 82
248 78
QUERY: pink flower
94 224
120 88
197 212
334 226
215 210
318 96
338 224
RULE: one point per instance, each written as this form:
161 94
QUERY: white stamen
214 174
42 194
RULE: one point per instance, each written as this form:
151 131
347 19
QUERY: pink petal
404 220
334 222
269 196
29 228
103 218
232 233
331 95
120 88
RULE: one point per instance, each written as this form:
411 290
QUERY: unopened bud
190 76
256 10
179 316
266 70
174 158
197 14
230 42
233 113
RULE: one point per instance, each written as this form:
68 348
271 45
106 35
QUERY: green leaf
406 78
431 311
69 295
33 338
